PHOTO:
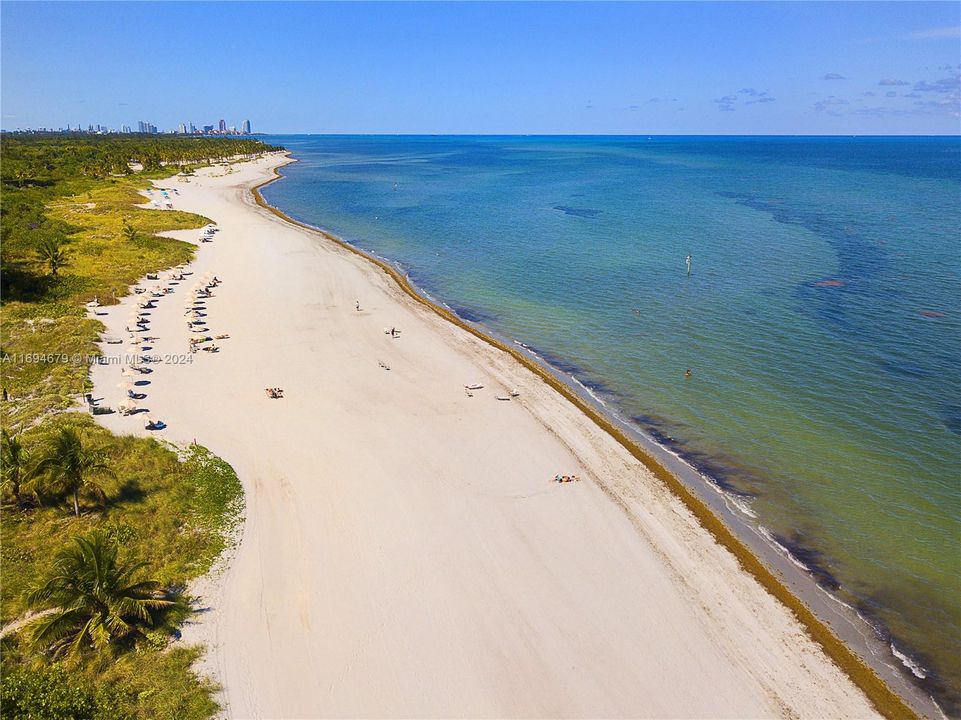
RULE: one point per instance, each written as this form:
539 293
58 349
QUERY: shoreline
769 559
230 444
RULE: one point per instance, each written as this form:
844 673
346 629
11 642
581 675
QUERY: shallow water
821 321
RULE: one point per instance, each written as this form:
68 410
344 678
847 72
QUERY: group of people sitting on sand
566 478
274 393
200 340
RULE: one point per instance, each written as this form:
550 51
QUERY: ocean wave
769 536
916 670
588 391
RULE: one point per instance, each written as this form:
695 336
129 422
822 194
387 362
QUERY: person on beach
358 306
393 332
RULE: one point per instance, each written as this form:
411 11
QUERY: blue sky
645 68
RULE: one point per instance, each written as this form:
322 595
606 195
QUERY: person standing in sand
358 306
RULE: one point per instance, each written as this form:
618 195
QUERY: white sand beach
405 552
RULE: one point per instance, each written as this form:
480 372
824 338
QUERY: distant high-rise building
245 128
208 129
125 128
223 125
141 126
183 128
193 129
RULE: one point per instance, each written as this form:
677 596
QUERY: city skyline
143 127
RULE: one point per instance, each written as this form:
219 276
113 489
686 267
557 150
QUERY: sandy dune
405 553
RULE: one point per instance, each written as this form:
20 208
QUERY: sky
867 68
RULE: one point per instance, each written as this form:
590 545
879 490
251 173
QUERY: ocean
820 321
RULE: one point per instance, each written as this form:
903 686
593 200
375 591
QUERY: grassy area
176 514
46 339
173 509
143 685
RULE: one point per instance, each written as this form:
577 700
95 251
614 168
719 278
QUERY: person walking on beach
358 306
688 261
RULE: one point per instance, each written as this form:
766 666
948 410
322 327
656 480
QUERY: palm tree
69 466
51 252
129 232
96 600
13 463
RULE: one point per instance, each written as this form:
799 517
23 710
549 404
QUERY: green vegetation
95 601
14 466
53 694
176 511
100 533
70 466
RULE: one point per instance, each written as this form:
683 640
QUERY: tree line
44 159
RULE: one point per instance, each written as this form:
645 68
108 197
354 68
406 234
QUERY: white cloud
952 31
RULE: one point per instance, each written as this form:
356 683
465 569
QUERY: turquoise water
821 321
